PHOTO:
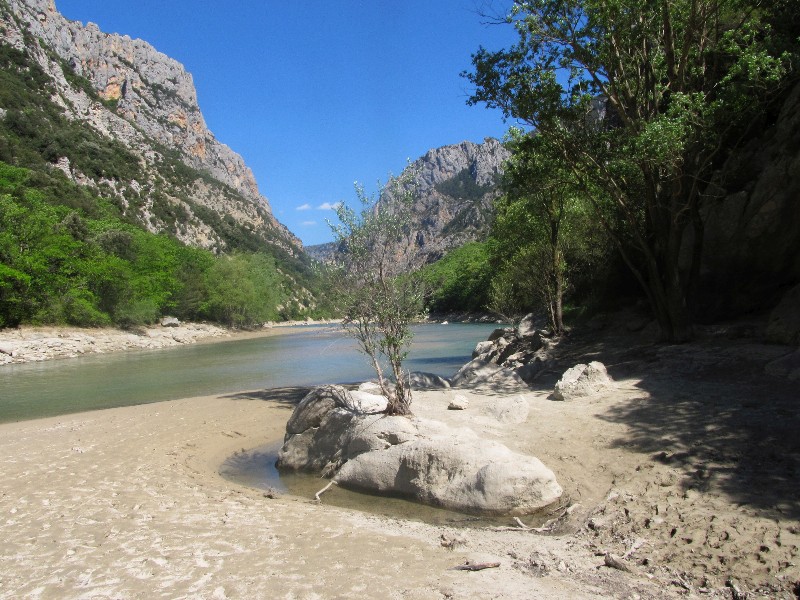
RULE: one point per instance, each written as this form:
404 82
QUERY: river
300 357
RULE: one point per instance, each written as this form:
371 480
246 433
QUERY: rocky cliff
454 187
125 89
751 251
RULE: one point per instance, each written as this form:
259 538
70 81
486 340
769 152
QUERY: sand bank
690 480
127 503
34 344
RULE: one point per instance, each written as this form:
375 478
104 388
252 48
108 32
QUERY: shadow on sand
711 412
286 396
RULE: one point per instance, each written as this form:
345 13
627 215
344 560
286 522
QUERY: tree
243 289
642 99
536 225
375 290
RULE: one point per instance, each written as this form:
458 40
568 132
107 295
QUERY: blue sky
318 94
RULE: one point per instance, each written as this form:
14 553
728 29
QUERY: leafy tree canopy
642 99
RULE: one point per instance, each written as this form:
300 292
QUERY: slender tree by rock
643 99
539 222
375 290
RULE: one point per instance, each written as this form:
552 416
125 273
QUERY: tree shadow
712 413
289 397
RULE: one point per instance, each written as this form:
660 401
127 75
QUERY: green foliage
63 265
682 83
542 238
375 290
459 281
243 290
78 254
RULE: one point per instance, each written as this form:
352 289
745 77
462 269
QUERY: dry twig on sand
468 566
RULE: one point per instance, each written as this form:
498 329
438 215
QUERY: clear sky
318 94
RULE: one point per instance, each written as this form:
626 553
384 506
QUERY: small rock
170 322
512 411
458 402
613 561
429 381
452 540
483 348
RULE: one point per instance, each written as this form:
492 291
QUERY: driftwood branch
614 562
520 526
323 490
468 566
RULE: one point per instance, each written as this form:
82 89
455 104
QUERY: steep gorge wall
147 100
454 189
751 253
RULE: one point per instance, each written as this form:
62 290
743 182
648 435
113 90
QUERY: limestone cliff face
454 187
149 102
751 253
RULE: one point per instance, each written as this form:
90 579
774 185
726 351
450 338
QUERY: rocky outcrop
147 101
522 353
329 432
453 187
751 244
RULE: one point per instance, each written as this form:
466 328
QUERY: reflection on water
256 469
300 357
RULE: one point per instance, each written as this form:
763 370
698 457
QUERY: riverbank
686 471
128 503
34 344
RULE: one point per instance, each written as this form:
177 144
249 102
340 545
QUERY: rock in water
428 381
582 380
423 460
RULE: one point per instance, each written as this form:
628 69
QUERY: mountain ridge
453 188
148 101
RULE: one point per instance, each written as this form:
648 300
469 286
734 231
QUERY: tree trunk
559 305
667 296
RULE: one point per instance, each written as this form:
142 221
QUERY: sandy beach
39 343
690 480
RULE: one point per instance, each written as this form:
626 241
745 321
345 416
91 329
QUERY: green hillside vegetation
65 265
680 88
460 281
72 254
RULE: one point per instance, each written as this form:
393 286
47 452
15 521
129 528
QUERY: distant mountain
181 179
453 188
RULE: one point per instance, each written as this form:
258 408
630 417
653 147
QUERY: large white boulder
423 460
